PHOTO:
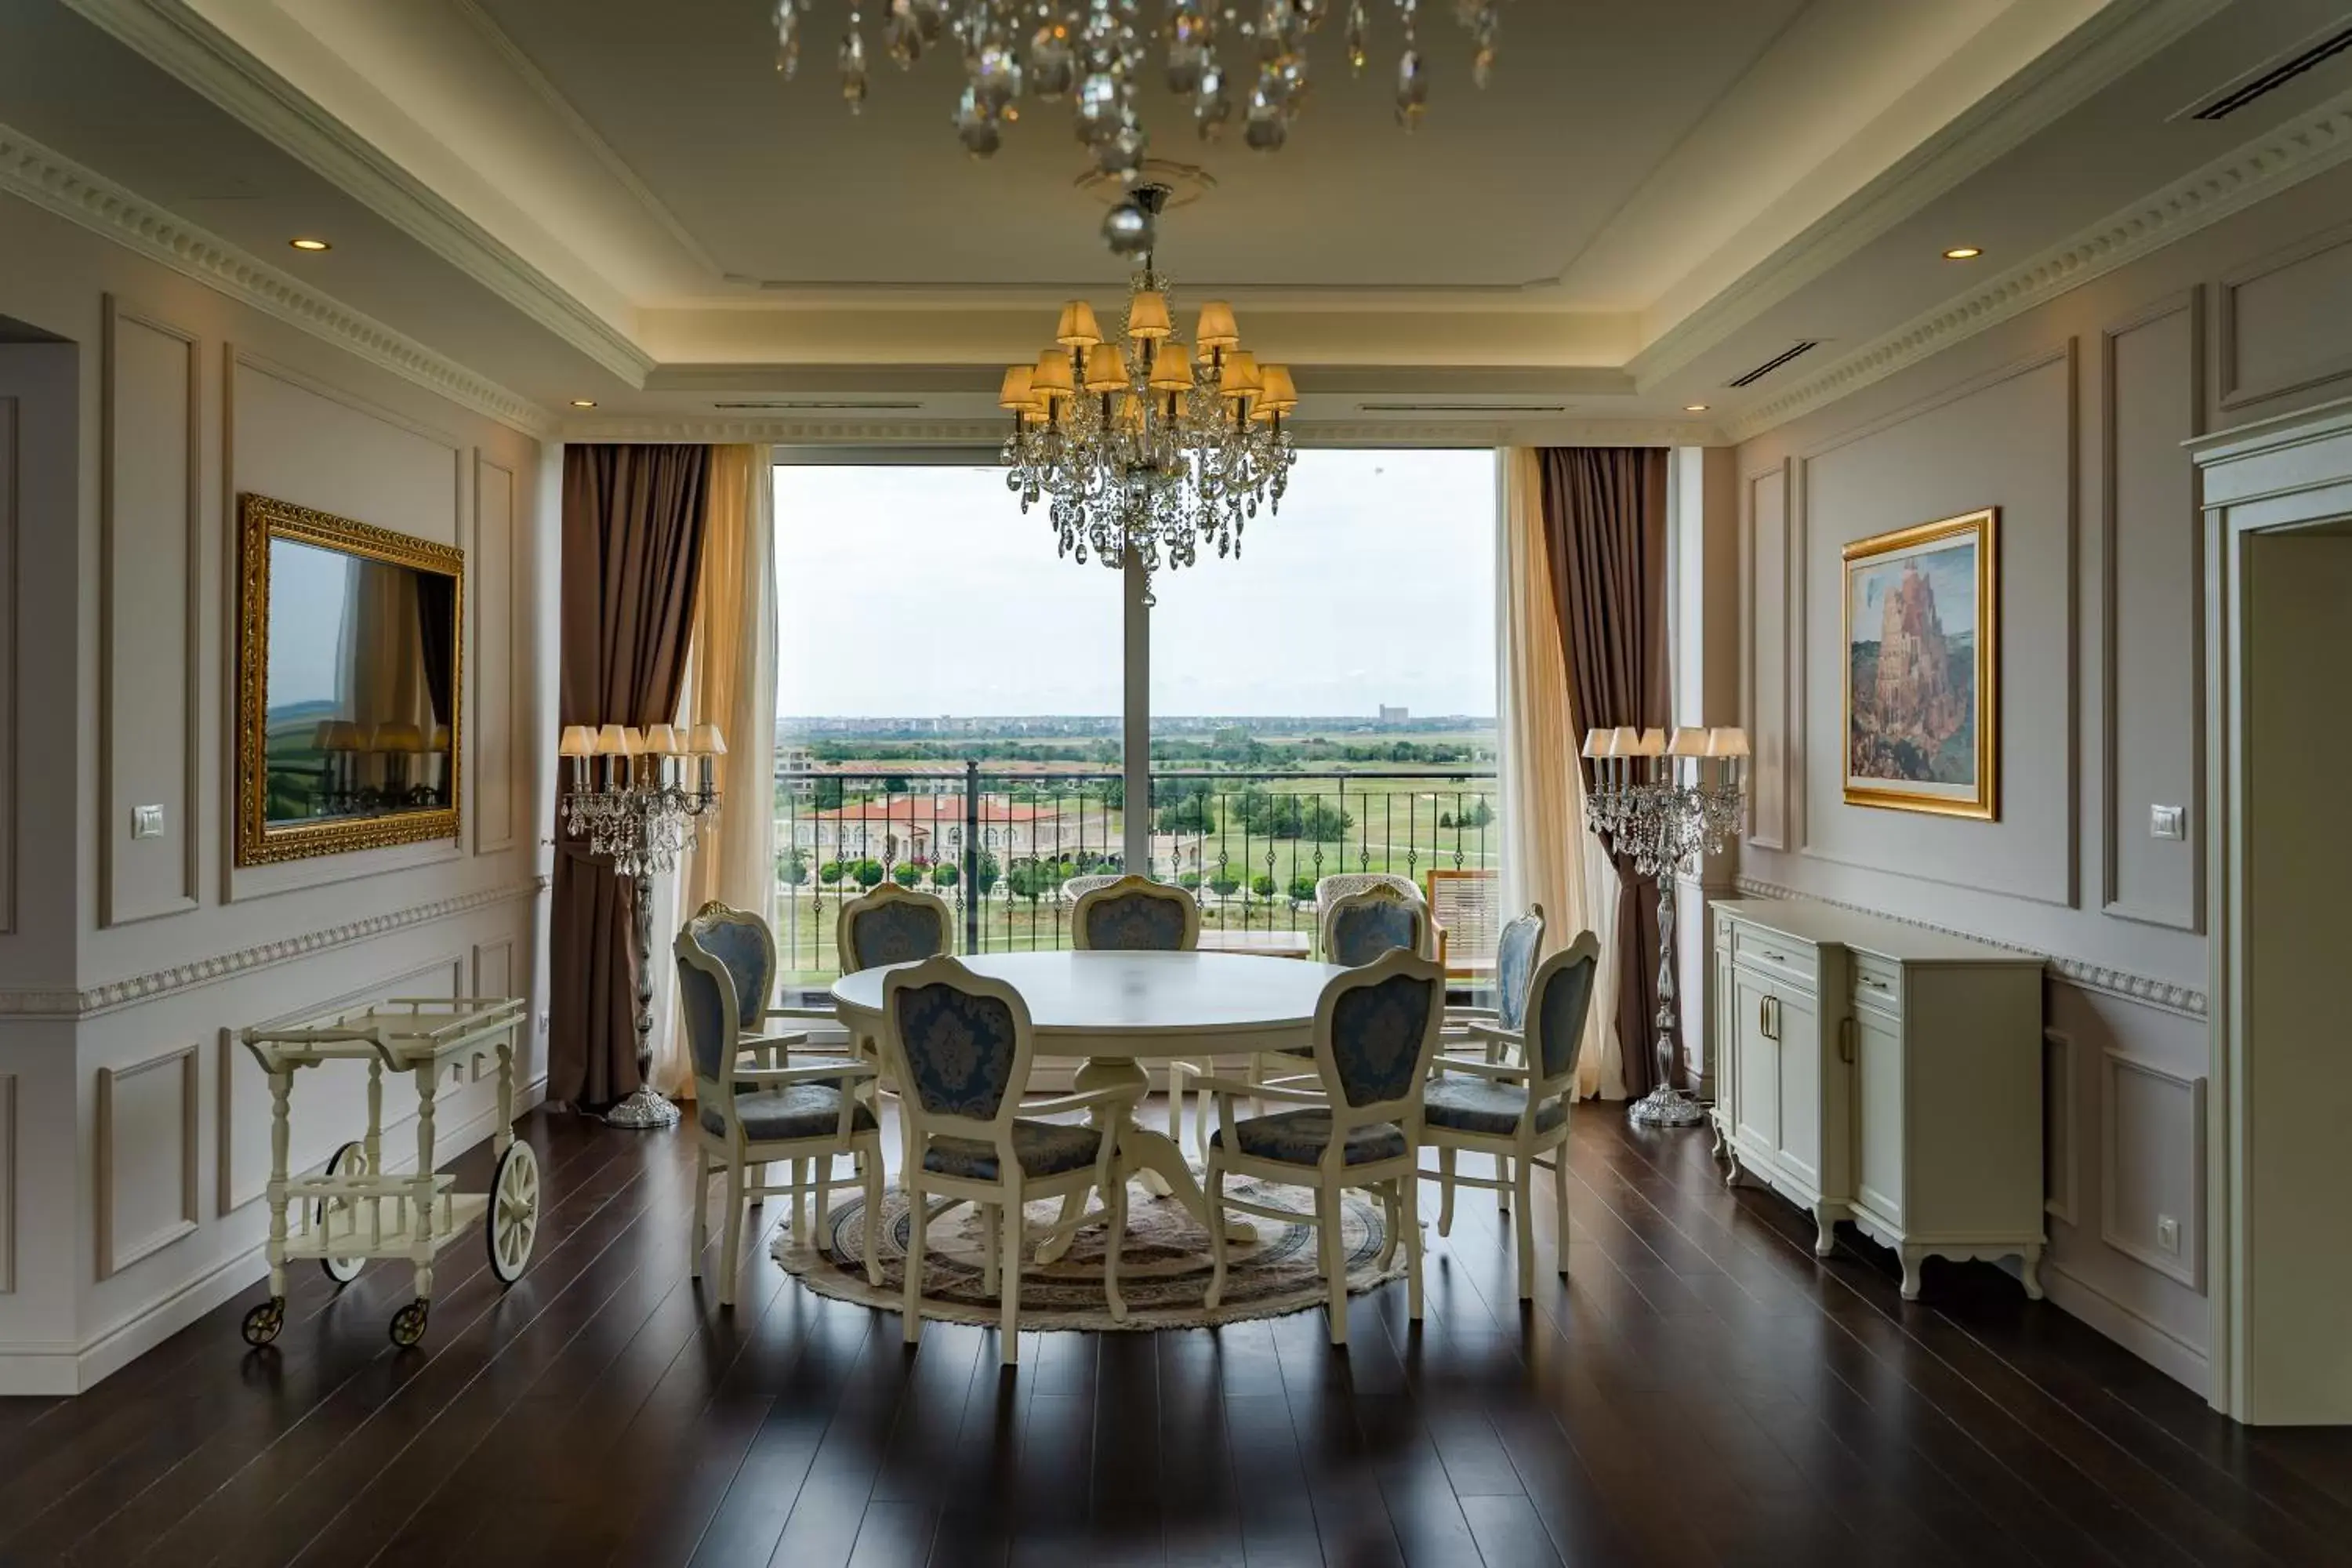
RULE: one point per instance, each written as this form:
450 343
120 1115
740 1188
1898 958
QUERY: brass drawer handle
1875 984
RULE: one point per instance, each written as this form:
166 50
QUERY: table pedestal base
1153 1158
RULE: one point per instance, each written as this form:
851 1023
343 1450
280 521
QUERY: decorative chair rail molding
988 434
2280 158
183 44
2144 989
140 988
49 179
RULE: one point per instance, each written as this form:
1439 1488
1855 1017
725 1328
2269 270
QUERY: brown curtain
633 528
1604 511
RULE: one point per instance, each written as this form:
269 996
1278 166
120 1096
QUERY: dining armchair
1136 914
1495 1030
889 925
960 1044
1360 1126
1519 1110
1369 915
752 1107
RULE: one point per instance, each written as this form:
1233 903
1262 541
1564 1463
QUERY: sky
1950 568
922 590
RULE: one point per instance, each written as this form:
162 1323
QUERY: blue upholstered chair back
707 998
745 949
1135 914
962 1042
893 925
1559 1004
1360 927
1377 1029
1515 967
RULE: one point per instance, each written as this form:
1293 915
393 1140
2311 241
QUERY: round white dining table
1119 1009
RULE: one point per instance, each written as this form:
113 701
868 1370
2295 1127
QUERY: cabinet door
1759 1109
1723 1028
1796 1024
1878 1112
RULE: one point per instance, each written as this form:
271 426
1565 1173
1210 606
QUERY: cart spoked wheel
513 1223
350 1160
261 1324
408 1323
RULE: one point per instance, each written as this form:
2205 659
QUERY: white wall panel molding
11 1186
145 1151
495 655
2126 1324
143 988
1764 643
180 40
2186 1262
2146 990
2308 331
53 182
2284 156
150 612
2058 1098
11 803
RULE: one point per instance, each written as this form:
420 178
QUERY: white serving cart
353 1211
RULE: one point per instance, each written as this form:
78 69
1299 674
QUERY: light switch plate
2167 1234
146 822
2167 822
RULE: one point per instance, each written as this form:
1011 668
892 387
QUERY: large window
952 698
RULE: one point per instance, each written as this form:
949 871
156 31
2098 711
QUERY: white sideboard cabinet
1882 1073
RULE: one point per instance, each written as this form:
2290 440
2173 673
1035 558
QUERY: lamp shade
1147 315
662 740
1596 742
440 739
1274 388
1130 414
1105 372
578 740
399 737
1241 378
633 741
1653 743
342 735
1626 741
1077 329
1050 377
1687 743
1731 741
1014 392
612 740
707 741
1217 330
1172 371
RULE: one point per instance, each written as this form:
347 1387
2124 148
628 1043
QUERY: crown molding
2278 160
51 180
139 989
175 37
988 434
2145 989
2118 40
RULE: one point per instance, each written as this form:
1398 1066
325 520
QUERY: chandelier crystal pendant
1224 57
1143 448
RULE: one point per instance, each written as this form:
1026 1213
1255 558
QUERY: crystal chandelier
1143 448
1094 53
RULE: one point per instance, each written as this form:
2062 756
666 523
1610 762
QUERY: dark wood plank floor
1699 1390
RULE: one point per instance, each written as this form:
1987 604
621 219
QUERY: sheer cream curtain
1549 858
732 683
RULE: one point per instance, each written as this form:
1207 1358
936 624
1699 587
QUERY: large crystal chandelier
1223 57
1142 448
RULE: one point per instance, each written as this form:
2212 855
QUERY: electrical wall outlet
2167 822
146 822
2167 1234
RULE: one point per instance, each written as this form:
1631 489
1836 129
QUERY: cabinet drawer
1877 983
1775 954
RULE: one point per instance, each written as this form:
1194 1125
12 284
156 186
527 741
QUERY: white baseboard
59 1368
2128 1327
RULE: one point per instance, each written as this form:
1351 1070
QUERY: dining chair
960 1044
1518 1111
889 925
752 1107
1369 915
1360 1125
1495 1030
1136 914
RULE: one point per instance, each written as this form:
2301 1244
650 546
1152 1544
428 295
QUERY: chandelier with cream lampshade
1144 447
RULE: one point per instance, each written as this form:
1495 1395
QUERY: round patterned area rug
1163 1265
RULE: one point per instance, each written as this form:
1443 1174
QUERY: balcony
1001 843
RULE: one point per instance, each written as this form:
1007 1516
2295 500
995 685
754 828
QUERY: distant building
1395 715
793 768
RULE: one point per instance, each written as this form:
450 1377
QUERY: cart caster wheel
512 1223
261 1324
408 1323
350 1160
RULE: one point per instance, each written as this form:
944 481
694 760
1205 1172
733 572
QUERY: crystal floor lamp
1666 802
630 798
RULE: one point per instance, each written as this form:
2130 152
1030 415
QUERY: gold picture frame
1915 739
264 839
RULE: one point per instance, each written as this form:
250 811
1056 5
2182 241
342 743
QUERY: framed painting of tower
1922 668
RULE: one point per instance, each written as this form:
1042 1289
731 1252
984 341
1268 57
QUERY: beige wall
2070 418
133 1131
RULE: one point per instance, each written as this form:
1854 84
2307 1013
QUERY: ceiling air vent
817 405
1776 361
2268 77
1462 408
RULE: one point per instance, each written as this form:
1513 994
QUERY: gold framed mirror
351 678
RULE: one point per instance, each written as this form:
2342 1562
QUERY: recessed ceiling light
1964 252
307 243
583 403
1693 407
